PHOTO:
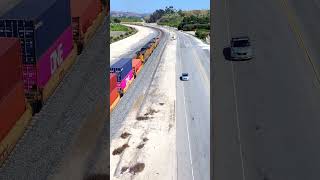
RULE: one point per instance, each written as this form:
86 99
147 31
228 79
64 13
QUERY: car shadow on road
227 53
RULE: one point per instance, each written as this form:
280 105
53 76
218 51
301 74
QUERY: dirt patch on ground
139 167
119 150
142 118
151 112
140 146
125 135
123 169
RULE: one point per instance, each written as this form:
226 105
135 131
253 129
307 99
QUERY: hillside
193 20
127 14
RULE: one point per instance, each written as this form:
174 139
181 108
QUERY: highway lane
192 110
265 111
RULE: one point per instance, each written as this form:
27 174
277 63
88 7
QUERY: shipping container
139 55
38 24
12 107
122 67
113 96
136 65
83 13
11 66
113 81
123 85
37 75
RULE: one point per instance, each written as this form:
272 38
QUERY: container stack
36 50
114 95
86 17
127 69
136 66
123 70
12 99
46 38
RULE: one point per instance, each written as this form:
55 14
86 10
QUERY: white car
184 77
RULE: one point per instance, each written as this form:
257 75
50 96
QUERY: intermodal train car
114 94
136 66
123 70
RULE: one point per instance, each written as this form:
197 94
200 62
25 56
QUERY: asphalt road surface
192 110
266 111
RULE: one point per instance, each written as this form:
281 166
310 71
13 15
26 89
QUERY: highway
266 111
192 110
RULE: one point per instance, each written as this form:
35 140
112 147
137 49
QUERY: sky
149 6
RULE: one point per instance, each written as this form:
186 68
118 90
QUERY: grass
202 33
127 19
118 27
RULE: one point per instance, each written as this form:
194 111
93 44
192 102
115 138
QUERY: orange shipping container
113 95
11 64
12 107
136 64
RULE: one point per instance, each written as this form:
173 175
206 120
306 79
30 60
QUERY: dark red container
11 64
113 81
12 106
83 13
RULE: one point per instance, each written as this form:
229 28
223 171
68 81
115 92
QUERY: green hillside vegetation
194 20
118 27
125 19
170 20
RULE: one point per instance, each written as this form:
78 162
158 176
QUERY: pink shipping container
49 62
124 83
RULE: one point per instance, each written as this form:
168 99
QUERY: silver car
241 48
184 77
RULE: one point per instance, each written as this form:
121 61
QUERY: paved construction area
77 104
266 111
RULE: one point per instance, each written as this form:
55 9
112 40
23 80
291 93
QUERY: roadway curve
266 111
192 110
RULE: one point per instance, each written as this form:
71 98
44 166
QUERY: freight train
38 44
50 37
125 70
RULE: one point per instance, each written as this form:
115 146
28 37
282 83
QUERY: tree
180 12
116 20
